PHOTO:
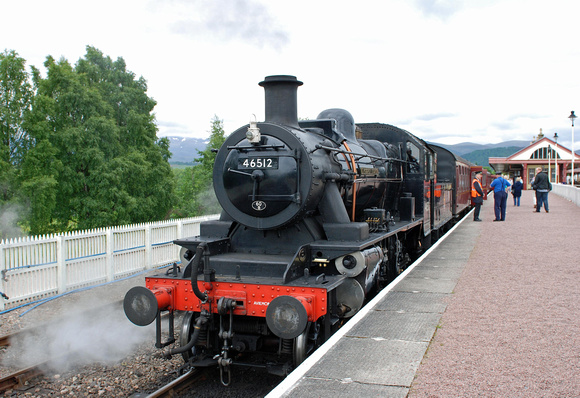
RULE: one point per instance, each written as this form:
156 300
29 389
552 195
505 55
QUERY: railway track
5 340
174 387
18 379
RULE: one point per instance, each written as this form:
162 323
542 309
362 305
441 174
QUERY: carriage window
431 166
413 157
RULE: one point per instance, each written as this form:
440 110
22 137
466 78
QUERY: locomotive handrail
361 155
239 172
247 148
194 264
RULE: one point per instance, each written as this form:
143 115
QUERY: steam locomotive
317 216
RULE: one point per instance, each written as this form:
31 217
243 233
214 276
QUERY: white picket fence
33 268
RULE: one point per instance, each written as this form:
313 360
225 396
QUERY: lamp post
572 117
556 157
549 162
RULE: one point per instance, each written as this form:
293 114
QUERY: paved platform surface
493 310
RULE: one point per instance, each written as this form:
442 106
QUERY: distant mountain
185 149
466 147
480 153
481 156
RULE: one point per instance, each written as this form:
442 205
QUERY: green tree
205 199
184 193
97 154
15 101
195 194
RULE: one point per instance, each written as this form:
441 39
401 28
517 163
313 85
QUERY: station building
543 152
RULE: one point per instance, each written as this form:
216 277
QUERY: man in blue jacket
499 186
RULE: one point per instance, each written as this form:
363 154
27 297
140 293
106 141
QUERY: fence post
148 250
179 236
61 263
2 274
179 229
109 255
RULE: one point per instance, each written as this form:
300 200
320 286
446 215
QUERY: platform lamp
572 117
556 157
549 163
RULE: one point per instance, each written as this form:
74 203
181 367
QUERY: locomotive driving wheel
306 343
187 328
300 347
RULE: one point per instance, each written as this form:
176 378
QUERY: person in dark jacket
542 186
517 191
476 195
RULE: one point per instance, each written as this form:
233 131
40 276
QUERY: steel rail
19 378
171 389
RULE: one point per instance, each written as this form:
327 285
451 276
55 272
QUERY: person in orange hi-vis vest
477 195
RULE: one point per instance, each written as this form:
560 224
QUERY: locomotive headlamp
351 265
286 317
253 133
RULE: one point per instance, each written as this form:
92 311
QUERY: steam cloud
9 216
103 337
210 204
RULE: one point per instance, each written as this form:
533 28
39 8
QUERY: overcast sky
448 71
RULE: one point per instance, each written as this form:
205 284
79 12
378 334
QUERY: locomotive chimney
281 99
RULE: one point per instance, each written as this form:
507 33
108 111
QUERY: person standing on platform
542 186
477 195
499 186
517 191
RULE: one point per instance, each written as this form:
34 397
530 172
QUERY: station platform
491 310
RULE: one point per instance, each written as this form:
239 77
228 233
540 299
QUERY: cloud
231 20
434 116
168 128
439 8
505 125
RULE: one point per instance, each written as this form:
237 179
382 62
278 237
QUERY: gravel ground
512 327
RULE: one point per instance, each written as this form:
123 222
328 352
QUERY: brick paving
512 326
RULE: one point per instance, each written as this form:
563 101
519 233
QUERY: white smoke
209 203
9 216
105 336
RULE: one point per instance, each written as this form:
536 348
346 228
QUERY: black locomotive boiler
317 215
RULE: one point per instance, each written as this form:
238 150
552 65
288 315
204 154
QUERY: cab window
413 156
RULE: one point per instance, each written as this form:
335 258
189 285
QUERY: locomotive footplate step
379 354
